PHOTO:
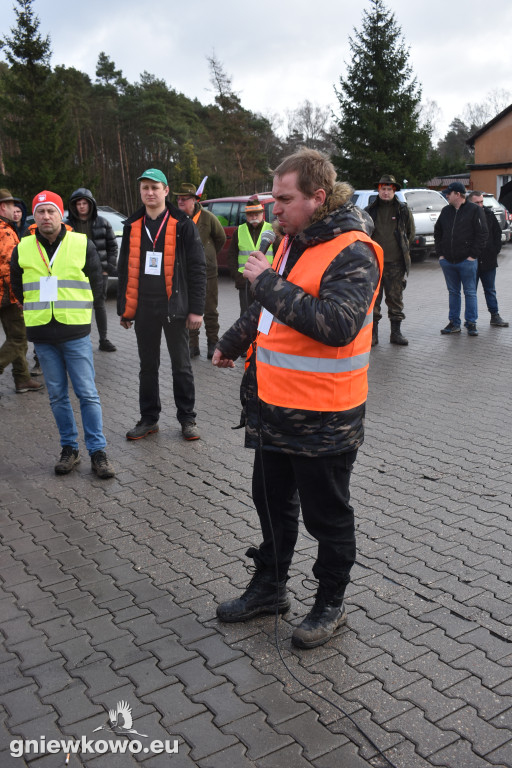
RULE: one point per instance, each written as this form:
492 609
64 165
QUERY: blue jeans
488 279
464 273
73 358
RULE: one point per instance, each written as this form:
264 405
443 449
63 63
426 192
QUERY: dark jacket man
97 227
83 217
460 233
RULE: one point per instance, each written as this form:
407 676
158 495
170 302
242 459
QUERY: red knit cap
48 198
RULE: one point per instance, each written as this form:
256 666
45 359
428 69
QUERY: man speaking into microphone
305 388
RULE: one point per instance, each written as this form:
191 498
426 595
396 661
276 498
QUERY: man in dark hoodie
19 216
305 389
83 217
162 287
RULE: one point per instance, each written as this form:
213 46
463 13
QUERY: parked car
230 211
425 205
500 212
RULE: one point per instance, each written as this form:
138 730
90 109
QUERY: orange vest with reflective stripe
294 370
134 257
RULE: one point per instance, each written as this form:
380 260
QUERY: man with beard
305 388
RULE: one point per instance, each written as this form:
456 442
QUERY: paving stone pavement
109 588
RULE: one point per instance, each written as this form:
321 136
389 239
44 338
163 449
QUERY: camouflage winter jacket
334 318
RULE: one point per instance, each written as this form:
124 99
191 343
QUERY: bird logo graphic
121 720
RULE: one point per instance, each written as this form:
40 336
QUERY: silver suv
425 206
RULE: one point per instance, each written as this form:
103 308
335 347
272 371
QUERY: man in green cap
394 232
213 238
162 287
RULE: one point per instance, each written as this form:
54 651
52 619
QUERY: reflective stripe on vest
294 370
246 245
134 263
74 295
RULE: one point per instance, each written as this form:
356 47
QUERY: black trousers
100 311
150 320
320 487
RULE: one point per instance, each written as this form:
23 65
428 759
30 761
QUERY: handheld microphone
266 241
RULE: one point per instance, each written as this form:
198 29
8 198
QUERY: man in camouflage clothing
306 439
394 231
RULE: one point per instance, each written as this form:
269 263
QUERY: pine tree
379 130
37 134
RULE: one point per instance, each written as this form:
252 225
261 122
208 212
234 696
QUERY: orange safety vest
294 370
132 285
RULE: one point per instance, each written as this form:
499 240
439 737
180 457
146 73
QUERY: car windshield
424 200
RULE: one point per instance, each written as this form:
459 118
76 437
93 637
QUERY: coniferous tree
37 132
379 130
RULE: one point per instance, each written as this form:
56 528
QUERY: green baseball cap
155 175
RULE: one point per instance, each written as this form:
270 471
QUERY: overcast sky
280 53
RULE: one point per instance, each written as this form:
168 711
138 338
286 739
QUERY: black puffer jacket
102 233
460 234
334 318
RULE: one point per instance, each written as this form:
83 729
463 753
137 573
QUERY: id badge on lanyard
49 284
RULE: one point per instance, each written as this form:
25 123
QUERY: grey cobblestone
110 589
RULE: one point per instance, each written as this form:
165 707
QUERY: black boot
396 336
375 333
259 597
323 619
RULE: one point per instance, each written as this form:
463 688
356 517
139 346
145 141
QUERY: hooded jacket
20 228
334 318
102 233
189 271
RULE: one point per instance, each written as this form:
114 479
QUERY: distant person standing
14 349
83 217
213 238
246 239
19 216
460 235
162 287
394 231
488 260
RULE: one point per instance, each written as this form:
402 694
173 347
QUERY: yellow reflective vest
74 295
246 245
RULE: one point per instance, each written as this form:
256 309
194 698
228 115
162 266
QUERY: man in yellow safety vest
56 274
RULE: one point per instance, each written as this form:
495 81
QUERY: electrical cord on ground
380 753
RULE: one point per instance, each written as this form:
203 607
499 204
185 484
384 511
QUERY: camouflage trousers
392 287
